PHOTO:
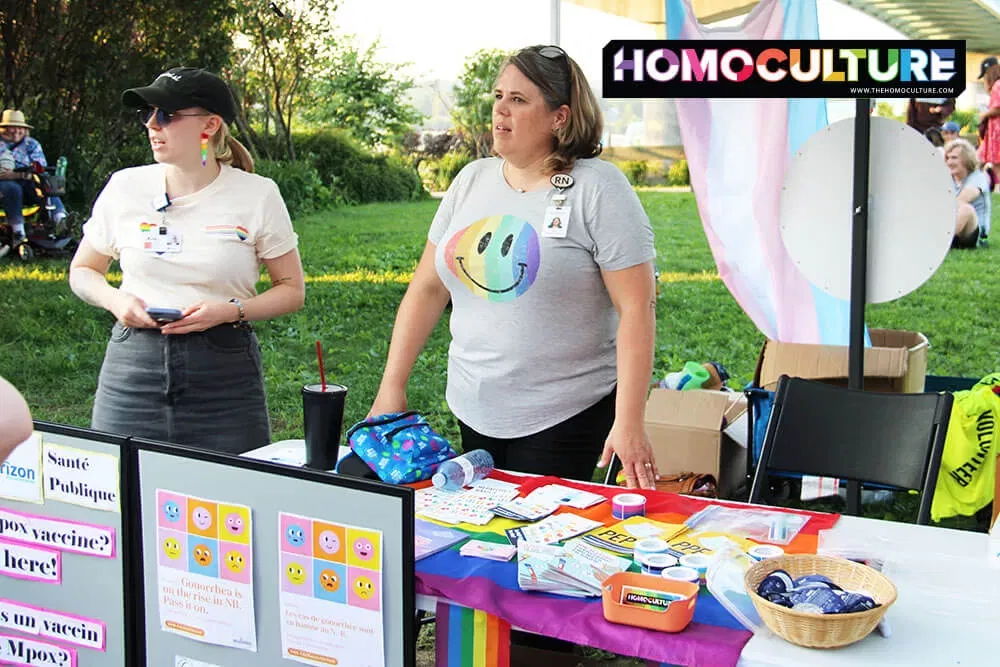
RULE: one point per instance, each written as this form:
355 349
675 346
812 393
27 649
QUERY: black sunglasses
163 118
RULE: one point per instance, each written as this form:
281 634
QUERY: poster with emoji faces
332 572
205 569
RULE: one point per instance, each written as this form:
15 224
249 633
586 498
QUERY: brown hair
965 151
230 151
561 81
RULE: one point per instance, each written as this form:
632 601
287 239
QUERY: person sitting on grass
972 189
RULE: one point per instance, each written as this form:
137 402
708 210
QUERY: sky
436 36
414 32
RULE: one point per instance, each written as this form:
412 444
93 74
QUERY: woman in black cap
190 232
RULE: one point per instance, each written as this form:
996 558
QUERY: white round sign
911 214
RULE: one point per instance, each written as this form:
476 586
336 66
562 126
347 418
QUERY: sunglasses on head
552 52
163 118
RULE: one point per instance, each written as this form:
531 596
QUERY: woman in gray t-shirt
546 255
972 189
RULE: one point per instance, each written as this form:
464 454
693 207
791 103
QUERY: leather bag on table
687 483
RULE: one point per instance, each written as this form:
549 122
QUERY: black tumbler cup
323 417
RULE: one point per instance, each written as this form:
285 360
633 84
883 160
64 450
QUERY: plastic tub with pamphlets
648 601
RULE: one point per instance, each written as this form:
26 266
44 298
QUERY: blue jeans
202 389
12 198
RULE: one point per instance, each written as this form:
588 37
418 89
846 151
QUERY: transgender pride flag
737 153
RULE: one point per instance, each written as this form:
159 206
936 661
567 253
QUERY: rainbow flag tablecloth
714 637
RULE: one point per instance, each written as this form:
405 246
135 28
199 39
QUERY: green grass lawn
357 263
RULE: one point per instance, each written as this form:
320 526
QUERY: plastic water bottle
463 470
61 166
694 376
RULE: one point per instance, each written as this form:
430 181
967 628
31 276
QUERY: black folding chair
883 438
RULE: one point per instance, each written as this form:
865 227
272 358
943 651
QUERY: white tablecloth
947 610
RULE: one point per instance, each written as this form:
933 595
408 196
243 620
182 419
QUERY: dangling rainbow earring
204 149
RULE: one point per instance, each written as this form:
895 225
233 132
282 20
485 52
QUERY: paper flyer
80 477
205 570
21 473
330 593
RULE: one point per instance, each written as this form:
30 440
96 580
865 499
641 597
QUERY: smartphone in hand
162 315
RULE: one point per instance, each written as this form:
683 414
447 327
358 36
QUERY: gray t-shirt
982 204
533 327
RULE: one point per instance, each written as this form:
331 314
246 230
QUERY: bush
635 171
967 119
354 174
300 185
378 178
439 173
677 173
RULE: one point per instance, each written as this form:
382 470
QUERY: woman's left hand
201 316
635 452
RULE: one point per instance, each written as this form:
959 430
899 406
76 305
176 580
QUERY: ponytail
230 151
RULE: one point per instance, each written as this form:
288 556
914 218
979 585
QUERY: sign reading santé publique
783 68
80 477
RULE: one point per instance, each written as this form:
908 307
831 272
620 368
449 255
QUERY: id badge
160 239
556 221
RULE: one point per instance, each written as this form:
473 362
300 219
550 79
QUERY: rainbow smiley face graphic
496 258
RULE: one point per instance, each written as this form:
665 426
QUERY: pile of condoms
812 593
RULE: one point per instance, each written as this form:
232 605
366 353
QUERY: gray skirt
202 389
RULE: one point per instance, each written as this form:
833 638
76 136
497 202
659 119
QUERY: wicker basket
821 630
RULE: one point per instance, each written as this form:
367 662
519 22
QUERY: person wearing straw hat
552 325
190 230
15 131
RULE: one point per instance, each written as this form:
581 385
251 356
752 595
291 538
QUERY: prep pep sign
20 651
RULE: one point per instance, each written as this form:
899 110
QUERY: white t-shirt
533 328
218 235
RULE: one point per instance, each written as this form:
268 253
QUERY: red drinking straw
322 373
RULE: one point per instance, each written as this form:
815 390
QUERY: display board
62 564
251 563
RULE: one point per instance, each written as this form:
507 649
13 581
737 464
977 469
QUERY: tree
354 91
473 110
66 63
279 51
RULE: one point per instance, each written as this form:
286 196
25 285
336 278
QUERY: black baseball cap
184 87
987 63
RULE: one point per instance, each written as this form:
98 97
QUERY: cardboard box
686 429
896 362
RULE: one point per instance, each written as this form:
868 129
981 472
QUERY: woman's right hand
130 310
388 400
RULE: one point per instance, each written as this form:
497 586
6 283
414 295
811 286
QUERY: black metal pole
859 266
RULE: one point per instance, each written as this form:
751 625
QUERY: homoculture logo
783 68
